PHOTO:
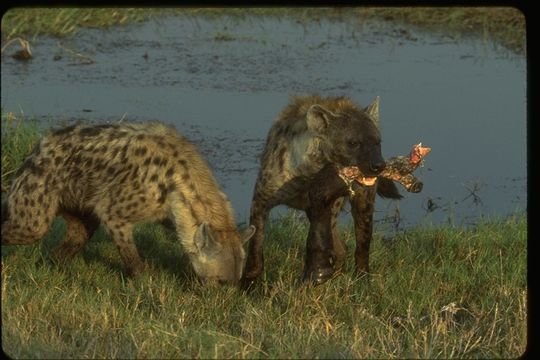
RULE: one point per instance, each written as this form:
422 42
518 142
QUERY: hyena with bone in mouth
312 136
121 174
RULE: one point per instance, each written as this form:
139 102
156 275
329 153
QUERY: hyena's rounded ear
318 118
247 233
205 240
373 110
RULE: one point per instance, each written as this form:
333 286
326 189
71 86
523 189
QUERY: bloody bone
398 168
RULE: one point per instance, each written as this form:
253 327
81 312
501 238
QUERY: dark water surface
222 82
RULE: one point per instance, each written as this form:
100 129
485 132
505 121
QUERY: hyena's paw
64 254
249 281
252 271
320 267
318 276
135 269
248 284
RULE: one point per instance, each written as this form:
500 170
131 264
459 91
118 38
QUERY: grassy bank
434 293
504 25
18 138
439 292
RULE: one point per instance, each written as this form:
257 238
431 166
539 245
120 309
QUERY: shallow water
222 82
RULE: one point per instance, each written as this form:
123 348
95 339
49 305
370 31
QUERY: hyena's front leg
340 249
122 234
325 194
80 228
362 207
255 260
319 248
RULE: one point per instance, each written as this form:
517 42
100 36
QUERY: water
222 82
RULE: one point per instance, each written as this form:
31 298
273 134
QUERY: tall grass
19 135
435 293
503 24
67 20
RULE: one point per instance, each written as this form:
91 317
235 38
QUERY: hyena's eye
353 144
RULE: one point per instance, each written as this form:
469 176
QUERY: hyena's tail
386 188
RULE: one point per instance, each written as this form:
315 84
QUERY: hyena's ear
247 233
205 240
318 118
373 110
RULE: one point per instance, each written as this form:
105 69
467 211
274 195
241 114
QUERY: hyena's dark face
349 139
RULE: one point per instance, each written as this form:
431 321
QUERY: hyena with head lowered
118 175
312 138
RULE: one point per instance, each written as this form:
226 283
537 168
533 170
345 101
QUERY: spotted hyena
118 175
312 137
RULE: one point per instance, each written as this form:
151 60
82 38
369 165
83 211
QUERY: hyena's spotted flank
118 175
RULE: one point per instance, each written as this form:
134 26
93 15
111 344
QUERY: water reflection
222 83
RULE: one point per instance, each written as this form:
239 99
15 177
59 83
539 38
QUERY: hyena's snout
377 166
375 163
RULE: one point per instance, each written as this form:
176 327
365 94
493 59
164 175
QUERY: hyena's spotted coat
311 138
120 174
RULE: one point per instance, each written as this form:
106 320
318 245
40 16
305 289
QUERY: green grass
435 292
19 135
89 309
503 24
67 21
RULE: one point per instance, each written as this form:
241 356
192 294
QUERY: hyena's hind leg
26 218
255 260
340 248
80 228
362 208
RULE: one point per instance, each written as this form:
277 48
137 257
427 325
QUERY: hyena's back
121 173
107 165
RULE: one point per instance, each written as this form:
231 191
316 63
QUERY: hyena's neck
218 212
213 209
307 157
209 204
